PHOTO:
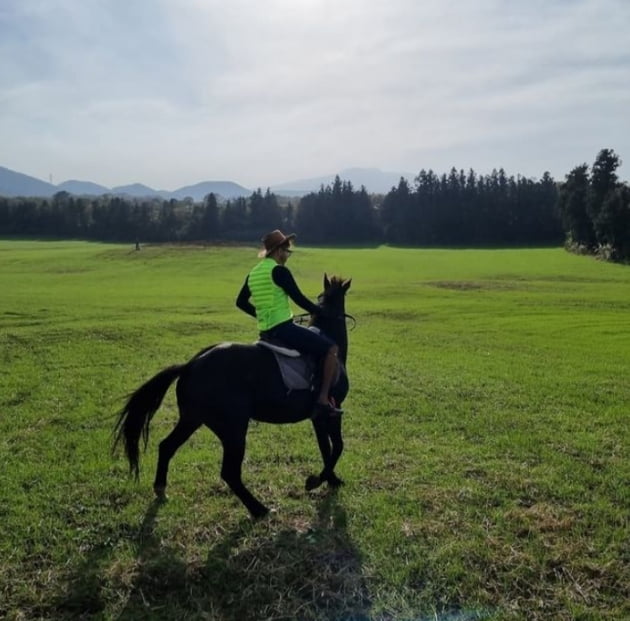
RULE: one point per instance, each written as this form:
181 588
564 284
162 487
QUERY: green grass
486 431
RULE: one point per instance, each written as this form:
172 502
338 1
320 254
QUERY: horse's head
332 319
333 298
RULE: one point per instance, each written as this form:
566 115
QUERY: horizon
286 186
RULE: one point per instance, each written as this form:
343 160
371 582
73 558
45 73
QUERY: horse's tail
134 418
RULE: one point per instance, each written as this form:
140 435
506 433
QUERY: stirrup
336 411
326 409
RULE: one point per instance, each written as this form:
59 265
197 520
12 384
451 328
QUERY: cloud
262 92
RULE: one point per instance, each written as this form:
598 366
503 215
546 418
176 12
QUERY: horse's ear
345 285
326 281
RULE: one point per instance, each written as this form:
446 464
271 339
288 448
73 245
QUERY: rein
303 318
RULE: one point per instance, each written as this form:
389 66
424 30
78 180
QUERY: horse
227 385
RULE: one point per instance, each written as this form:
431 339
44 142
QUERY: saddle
297 371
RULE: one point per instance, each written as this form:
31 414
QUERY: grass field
486 465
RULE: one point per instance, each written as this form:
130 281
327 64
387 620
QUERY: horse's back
238 377
230 364
233 369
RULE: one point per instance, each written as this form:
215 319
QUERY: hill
13 183
226 189
83 188
17 184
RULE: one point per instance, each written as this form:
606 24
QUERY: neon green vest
271 302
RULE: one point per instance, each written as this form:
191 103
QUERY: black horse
227 385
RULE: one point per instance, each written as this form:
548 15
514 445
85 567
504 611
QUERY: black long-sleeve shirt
282 277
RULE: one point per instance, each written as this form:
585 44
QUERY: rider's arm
242 301
284 279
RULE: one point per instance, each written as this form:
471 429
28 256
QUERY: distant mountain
83 188
226 189
375 181
138 190
13 183
16 184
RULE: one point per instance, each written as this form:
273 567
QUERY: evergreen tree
604 181
613 223
573 206
210 218
395 214
235 221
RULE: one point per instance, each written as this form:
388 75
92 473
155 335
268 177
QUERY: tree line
590 210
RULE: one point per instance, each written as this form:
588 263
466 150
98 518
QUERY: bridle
303 318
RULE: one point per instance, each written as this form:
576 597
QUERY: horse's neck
340 338
343 349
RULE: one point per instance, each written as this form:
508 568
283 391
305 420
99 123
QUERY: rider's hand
323 312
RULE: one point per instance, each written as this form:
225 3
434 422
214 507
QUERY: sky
261 92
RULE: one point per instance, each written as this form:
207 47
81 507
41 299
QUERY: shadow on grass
259 570
103 581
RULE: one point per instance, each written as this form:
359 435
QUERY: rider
270 285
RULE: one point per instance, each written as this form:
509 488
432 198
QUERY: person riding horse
270 284
227 385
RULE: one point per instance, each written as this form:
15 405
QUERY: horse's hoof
260 514
334 481
312 482
160 493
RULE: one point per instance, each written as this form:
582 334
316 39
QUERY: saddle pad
297 373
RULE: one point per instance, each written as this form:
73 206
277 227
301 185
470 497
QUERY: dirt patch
458 285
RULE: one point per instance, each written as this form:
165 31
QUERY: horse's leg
182 431
336 439
233 454
330 441
320 425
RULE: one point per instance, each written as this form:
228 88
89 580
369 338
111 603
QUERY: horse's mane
336 282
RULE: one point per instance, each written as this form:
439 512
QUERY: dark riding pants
298 337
